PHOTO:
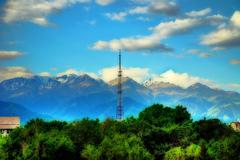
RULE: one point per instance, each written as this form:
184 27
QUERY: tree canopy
159 132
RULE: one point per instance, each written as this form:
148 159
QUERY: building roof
9 122
237 124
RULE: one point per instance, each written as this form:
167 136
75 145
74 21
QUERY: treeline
158 132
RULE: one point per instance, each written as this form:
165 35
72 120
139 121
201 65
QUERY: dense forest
159 132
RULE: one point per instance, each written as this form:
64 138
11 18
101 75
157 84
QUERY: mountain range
71 97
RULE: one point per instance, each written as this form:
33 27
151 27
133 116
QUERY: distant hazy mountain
133 90
71 97
201 100
13 109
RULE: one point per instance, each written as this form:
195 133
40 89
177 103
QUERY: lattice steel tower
119 114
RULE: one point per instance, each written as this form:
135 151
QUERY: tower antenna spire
119 114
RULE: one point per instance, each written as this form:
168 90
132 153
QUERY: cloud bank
226 37
37 11
104 2
140 75
152 42
235 61
199 53
76 72
154 7
13 72
5 55
181 79
136 73
199 13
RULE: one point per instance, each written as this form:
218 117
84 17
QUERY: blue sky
182 41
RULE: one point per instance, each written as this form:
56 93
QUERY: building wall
235 126
8 123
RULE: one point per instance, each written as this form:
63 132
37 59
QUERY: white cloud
69 72
199 53
110 73
13 72
176 27
116 16
142 74
181 79
193 51
232 86
4 55
53 69
225 37
166 7
144 19
235 61
226 117
41 21
141 1
104 2
151 42
169 8
92 22
138 10
45 74
235 19
76 72
200 13
205 55
216 19
35 11
147 44
163 7
136 73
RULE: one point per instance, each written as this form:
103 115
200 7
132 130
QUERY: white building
8 123
235 126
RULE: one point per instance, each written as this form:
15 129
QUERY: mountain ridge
76 96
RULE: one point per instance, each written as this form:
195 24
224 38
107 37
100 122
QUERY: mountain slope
13 109
71 97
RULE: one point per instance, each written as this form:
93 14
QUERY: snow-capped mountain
71 97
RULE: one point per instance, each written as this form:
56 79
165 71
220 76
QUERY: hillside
70 97
13 109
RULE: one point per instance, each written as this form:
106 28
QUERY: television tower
119 114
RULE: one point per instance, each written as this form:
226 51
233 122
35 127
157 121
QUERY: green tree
118 147
111 126
158 132
180 135
225 149
15 140
176 153
3 141
181 115
84 132
90 152
211 129
193 152
160 116
156 142
54 145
